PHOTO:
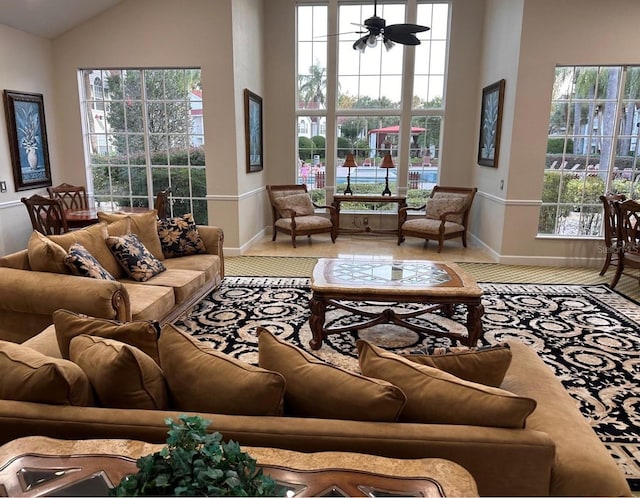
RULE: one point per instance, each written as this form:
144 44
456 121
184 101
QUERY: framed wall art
27 139
253 130
490 124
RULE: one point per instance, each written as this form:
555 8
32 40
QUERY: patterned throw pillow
134 257
180 237
82 263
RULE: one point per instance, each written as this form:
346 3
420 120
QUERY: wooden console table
38 466
401 200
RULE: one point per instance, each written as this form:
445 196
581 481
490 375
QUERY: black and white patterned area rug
589 336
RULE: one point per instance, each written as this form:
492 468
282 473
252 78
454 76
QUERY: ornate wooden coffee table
338 283
41 466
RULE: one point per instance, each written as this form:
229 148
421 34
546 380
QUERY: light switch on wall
3 186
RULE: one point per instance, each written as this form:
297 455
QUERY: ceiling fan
394 33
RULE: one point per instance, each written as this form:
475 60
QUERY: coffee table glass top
385 273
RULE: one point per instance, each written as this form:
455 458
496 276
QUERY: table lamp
387 163
349 163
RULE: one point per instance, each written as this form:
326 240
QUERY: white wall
26 65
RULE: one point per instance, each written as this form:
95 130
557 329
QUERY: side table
401 200
38 466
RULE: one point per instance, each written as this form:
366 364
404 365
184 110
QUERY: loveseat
556 453
34 282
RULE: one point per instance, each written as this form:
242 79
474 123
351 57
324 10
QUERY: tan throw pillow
300 204
122 376
143 334
484 365
317 389
202 379
45 255
27 375
437 397
92 239
143 225
444 203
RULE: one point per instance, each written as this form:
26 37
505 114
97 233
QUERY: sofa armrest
213 238
33 293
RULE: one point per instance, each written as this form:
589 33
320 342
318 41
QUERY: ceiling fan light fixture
388 44
360 44
372 41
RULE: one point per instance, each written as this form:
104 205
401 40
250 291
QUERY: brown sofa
28 298
556 454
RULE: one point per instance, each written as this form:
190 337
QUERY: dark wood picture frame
491 124
253 131
28 144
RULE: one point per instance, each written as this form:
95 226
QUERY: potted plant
196 463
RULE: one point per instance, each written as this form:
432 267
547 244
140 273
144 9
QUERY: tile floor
367 245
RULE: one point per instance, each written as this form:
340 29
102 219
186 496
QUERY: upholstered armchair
294 213
446 216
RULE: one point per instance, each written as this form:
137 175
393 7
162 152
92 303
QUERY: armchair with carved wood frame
446 216
294 213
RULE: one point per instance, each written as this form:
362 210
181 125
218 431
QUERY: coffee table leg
474 323
316 321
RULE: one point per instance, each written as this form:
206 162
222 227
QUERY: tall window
368 115
144 132
592 146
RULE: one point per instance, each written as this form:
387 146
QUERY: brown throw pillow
437 397
202 379
45 255
143 225
484 365
122 376
26 375
317 389
142 334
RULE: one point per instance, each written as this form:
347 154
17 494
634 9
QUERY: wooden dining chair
72 196
609 220
628 232
46 214
162 203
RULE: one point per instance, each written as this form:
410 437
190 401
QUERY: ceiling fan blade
402 38
406 28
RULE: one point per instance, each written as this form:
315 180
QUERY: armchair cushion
442 203
122 376
431 226
298 204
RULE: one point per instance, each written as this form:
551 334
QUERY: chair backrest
628 220
72 196
467 193
609 218
46 214
162 203
279 191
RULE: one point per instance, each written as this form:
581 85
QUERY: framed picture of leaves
490 124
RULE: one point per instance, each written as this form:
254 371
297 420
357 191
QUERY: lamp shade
387 162
349 162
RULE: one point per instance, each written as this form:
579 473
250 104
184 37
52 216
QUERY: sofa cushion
207 263
143 225
121 375
437 397
46 255
136 260
442 203
180 237
27 375
317 389
298 204
82 263
149 301
143 335
202 379
185 283
485 365
92 238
